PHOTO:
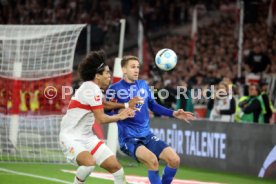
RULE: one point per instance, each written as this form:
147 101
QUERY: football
166 59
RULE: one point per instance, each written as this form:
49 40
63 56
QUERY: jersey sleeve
92 96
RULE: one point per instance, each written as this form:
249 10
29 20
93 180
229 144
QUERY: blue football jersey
138 126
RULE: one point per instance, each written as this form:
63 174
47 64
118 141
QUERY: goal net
35 64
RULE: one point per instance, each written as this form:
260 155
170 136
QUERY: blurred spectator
223 107
184 101
252 106
267 102
257 60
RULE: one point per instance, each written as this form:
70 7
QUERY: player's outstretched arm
104 118
184 115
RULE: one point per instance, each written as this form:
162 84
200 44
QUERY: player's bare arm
103 118
108 105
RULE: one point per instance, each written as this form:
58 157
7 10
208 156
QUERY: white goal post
30 54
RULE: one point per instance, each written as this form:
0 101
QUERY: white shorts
72 146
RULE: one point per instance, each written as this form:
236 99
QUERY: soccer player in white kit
78 142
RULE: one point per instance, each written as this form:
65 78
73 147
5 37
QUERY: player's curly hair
92 64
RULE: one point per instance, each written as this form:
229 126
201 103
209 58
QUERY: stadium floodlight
33 53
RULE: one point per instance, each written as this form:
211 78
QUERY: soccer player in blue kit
135 137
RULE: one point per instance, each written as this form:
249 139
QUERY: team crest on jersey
97 98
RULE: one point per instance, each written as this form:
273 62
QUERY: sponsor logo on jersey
97 98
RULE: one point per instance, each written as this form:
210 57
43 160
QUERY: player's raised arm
104 118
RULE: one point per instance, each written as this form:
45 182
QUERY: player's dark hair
125 60
92 64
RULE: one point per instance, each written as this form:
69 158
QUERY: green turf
131 168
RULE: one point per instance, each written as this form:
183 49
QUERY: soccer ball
166 59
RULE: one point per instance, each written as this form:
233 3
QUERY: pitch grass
131 168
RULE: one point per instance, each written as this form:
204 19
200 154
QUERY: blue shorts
153 143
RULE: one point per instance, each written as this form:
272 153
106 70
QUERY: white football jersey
79 118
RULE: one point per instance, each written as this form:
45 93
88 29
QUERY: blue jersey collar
127 83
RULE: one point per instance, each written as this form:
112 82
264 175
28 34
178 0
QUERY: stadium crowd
216 56
103 16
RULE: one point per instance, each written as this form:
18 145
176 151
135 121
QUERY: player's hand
126 113
184 115
134 101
